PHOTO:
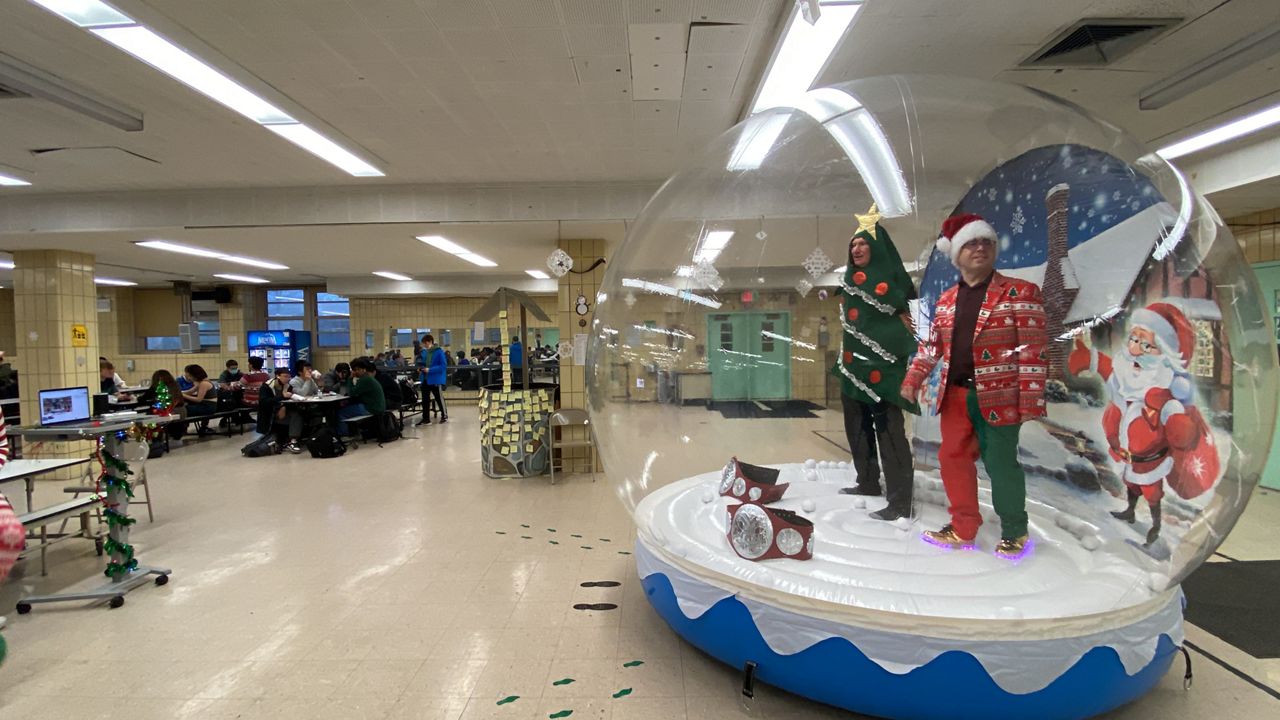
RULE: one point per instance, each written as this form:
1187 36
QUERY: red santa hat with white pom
958 230
1173 332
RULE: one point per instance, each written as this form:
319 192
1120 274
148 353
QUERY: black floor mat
739 409
1236 601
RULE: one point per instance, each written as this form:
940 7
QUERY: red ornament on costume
859 278
853 314
874 376
882 288
848 357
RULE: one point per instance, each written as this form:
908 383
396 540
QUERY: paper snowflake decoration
559 262
803 287
630 300
1017 221
706 274
817 263
762 235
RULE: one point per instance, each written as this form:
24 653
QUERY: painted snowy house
1111 273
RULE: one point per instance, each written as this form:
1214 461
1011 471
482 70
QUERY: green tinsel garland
115 569
112 547
117 519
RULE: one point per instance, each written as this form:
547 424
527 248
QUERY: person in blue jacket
434 366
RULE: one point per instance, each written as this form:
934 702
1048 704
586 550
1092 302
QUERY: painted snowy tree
877 340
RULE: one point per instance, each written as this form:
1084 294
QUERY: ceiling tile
478 43
725 11
657 38
708 88
321 14
391 14
711 39
706 67
537 42
619 89
598 40
645 11
594 12
657 77
525 13
459 13
606 69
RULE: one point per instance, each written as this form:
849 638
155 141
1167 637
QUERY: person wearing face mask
877 345
988 333
231 374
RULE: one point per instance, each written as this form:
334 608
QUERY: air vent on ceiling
1097 42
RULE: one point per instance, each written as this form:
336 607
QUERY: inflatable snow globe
746 372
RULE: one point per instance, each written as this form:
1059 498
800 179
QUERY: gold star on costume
867 223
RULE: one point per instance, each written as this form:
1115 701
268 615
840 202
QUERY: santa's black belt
1153 457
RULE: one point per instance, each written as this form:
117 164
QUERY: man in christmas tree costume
878 343
988 332
1153 428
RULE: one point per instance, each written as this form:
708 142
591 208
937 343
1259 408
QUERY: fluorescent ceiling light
6 264
538 274
684 271
475 259
712 244
86 13
1223 133
212 254
253 262
456 250
177 248
325 149
801 55
11 181
444 244
240 278
757 139
113 281
392 276
1224 62
189 70
661 289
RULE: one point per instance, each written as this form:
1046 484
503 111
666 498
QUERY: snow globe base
1065 632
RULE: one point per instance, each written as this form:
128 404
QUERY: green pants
966 437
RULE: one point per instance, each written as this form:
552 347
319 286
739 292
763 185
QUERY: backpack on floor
325 444
389 427
262 447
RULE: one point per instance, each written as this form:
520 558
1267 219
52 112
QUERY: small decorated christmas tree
164 403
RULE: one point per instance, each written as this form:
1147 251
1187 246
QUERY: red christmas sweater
1009 362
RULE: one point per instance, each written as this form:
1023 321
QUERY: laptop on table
64 406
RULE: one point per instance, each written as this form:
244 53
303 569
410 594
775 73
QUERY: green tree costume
875 352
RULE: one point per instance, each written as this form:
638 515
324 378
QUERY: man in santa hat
988 332
1153 428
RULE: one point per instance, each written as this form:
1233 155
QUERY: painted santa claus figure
1154 430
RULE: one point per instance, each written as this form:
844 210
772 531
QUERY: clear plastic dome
719 320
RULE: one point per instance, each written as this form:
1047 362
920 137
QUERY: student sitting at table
337 380
200 398
176 407
366 396
115 376
270 395
303 383
231 374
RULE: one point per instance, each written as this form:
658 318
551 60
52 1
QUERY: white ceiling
481 92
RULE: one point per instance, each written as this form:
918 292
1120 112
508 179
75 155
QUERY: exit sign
747 296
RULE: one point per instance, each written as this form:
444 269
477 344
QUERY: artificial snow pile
1076 567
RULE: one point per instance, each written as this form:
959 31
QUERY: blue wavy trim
953 685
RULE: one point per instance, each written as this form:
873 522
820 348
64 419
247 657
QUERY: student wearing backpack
433 363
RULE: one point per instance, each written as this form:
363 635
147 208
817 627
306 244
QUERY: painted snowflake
803 287
559 262
1017 221
817 263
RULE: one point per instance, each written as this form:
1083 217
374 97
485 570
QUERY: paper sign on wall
580 349
79 336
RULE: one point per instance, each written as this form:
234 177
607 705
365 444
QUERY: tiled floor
378 585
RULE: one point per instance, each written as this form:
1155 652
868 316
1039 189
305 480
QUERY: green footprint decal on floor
561 714
622 693
565 681
508 699
633 663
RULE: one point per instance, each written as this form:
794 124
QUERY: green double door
749 355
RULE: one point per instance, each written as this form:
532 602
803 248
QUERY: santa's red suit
1152 426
